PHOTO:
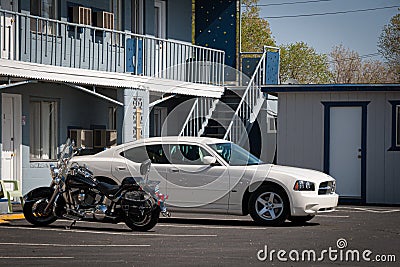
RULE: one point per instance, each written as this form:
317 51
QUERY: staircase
238 108
232 116
223 113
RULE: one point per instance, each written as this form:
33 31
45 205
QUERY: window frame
56 129
395 125
48 29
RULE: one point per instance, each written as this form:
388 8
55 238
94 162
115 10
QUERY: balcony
35 39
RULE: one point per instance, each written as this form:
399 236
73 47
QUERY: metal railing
249 106
40 40
198 116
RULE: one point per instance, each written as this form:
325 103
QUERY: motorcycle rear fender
38 193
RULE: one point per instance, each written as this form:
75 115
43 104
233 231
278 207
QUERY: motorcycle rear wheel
34 212
148 222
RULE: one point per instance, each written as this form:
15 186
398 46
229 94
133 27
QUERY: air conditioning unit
104 20
82 138
82 15
111 138
99 140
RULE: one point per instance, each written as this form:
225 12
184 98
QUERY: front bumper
310 203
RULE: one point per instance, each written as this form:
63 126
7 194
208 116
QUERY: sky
357 31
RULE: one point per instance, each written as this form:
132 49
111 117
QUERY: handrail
198 116
61 43
188 117
244 97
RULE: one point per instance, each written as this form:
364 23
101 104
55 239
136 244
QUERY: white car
211 175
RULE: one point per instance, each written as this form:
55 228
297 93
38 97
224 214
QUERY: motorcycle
76 195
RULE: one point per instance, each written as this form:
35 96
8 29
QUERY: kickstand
68 227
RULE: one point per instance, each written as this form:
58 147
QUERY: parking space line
333 216
212 227
104 232
74 245
356 209
35 257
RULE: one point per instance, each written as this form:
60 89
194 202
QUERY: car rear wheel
269 205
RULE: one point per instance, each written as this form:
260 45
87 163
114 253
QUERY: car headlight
301 185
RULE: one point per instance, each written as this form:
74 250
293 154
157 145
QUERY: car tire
300 219
269 205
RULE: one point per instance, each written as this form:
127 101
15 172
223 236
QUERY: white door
160 31
345 150
11 137
7 29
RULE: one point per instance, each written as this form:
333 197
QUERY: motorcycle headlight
301 185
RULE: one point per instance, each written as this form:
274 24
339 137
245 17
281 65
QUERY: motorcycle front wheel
147 222
34 211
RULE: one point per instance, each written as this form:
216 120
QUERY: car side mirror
209 160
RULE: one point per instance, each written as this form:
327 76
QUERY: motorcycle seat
108 189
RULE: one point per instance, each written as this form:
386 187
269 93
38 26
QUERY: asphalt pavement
351 236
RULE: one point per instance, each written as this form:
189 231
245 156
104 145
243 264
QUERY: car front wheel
269 205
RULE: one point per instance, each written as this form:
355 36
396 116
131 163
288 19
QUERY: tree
348 67
255 30
375 71
389 45
301 62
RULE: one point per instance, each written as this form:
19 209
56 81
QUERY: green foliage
389 44
301 62
255 30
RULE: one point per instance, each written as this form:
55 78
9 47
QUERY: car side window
186 154
139 154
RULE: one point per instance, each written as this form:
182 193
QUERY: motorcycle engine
86 198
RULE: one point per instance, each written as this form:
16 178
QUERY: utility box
82 138
111 138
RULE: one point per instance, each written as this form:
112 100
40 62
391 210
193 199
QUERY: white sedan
216 176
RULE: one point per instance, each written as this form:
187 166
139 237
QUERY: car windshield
235 155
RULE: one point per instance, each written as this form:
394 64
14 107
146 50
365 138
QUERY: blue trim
286 88
363 105
394 146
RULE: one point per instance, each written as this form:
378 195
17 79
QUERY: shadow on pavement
227 222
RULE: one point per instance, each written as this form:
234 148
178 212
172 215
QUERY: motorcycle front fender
38 193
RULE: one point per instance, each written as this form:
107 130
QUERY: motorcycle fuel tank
80 181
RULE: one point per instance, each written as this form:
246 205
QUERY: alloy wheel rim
269 206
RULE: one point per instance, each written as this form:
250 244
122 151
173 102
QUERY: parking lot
209 240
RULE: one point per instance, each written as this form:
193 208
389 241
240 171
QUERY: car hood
300 173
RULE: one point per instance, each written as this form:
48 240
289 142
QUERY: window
235 155
187 154
45 9
153 152
137 16
395 125
43 129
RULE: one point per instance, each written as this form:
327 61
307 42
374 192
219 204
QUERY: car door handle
120 168
174 170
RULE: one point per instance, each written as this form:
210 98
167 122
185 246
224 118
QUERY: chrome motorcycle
76 195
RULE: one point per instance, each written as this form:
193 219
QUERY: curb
5 218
